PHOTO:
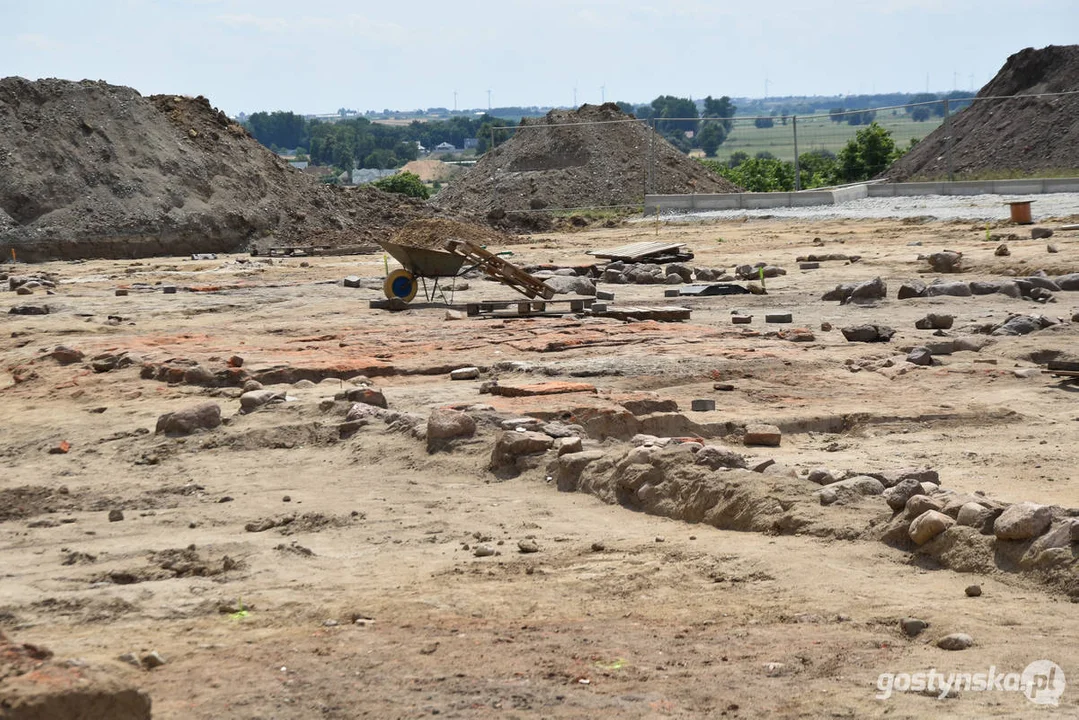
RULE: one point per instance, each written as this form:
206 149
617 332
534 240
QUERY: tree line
359 142
864 157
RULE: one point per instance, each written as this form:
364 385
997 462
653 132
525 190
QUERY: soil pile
431 171
432 234
89 169
591 157
1020 135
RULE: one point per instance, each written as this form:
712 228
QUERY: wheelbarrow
418 265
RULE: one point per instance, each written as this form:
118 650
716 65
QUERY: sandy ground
369 604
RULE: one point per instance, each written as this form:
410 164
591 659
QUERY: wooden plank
635 251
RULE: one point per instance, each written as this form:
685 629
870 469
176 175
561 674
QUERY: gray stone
778 318
684 272
152 660
946 261
1022 521
974 591
1051 248
841 293
1040 233
912 627
828 496
808 266
1068 282
205 416
511 444
955 641
168 289
1019 325
918 504
920 356
116 515
528 545
483 551
702 405
714 457
575 285
604 295
869 291
352 281
465 373
867 333
973 514
66 355
367 396
445 424
822 476
928 525
856 486
569 445
673 279
911 289
1041 281
1002 251
741 319
935 321
762 434
897 496
255 399
251 385
950 289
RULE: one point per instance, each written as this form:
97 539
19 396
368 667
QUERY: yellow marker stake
13 255
386 262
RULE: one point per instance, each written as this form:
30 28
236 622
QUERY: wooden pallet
501 270
525 308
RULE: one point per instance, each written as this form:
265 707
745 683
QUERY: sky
316 57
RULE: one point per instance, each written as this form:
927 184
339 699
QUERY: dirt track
667 619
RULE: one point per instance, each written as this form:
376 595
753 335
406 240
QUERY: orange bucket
1021 212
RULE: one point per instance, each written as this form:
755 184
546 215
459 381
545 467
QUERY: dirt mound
1021 135
434 170
594 156
433 234
90 169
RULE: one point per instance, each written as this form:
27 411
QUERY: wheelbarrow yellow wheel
400 284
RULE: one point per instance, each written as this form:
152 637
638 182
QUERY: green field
815 132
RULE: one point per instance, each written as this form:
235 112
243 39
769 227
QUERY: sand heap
89 169
432 234
569 159
1021 135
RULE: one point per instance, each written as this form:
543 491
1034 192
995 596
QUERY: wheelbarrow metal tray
425 263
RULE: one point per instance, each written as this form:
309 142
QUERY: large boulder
952 289
1068 282
869 291
867 333
715 457
254 399
841 292
444 424
511 445
928 525
898 495
911 289
575 285
1022 521
947 261
1022 325
205 416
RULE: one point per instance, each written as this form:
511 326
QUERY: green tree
405 183
836 114
722 108
920 113
669 106
625 107
817 167
764 122
711 136
737 158
284 129
870 153
757 174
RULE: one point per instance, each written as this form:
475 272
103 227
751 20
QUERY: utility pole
488 101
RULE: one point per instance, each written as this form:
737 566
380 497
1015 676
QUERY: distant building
472 143
445 147
362 176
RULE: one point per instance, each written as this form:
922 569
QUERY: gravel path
941 207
